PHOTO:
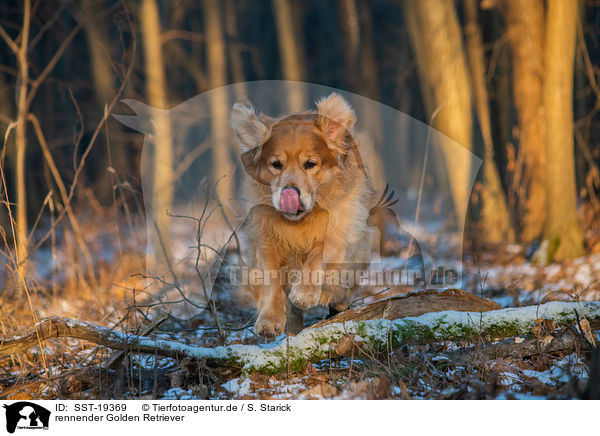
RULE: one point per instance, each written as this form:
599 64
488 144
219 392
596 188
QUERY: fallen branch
314 344
516 347
415 304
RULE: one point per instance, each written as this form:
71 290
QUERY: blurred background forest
516 82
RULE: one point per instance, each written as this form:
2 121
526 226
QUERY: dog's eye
310 164
276 164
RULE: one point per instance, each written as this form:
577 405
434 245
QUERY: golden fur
330 229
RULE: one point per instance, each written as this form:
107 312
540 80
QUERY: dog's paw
269 325
305 296
326 298
335 296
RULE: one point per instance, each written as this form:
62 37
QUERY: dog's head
297 155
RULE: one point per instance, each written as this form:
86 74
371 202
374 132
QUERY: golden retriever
308 203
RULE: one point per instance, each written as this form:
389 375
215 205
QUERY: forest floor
76 369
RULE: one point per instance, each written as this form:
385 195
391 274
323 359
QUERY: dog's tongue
290 201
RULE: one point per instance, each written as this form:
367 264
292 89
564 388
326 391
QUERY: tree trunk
162 187
21 144
561 225
361 66
495 217
104 88
361 76
290 54
235 59
102 73
436 38
525 23
351 31
7 110
369 86
217 78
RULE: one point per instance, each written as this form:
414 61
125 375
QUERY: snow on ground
516 280
180 394
238 387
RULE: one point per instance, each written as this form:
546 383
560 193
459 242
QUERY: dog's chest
291 236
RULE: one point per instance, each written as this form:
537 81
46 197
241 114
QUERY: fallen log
314 344
415 304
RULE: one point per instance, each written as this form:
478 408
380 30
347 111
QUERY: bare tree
27 88
162 194
436 38
21 135
361 64
350 27
525 23
217 78
8 155
235 58
104 86
495 217
290 53
561 224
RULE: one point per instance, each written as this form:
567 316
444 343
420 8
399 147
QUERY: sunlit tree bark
495 217
436 38
351 30
217 78
21 141
525 24
7 114
99 56
162 195
235 58
290 53
561 224
104 87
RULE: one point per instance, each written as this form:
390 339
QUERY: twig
423 170
9 41
63 193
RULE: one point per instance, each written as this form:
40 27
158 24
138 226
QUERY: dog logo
26 415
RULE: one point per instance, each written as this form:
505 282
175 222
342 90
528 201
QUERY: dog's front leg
272 312
272 304
306 292
337 290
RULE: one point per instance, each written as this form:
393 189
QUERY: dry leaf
403 390
587 331
376 388
345 344
542 328
323 390
546 340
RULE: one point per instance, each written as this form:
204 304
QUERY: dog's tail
382 208
385 201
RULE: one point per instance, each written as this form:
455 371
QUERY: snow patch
240 387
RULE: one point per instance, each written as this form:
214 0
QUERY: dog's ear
336 120
250 129
251 161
